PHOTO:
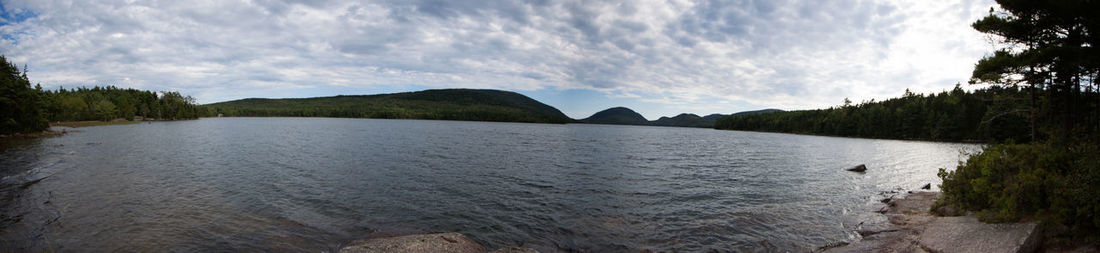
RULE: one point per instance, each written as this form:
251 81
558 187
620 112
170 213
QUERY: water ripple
293 184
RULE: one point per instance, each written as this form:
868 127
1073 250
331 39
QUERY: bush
1058 185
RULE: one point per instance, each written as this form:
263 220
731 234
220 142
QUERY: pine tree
20 105
1048 47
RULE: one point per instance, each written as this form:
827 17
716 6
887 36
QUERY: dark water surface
313 184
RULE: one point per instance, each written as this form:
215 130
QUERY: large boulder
858 168
441 242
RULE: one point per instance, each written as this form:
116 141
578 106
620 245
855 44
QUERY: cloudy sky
657 57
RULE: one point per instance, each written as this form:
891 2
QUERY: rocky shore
912 228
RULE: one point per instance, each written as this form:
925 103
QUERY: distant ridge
449 104
684 120
626 116
441 104
616 116
714 117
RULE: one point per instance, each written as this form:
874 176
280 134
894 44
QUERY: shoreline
90 123
76 124
45 133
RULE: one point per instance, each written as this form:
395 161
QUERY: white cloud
786 54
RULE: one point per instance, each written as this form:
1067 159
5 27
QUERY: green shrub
1058 185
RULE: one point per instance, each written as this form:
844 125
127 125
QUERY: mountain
625 116
683 120
756 112
714 117
617 116
441 104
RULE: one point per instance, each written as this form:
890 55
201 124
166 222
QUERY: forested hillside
616 116
714 117
683 120
993 113
444 104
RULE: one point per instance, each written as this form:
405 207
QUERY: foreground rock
967 234
913 229
441 242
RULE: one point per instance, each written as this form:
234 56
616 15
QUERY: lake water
314 184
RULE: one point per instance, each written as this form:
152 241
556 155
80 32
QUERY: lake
314 184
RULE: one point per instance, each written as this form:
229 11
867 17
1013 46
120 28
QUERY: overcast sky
660 58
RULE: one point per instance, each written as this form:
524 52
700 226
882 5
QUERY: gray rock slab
913 229
967 234
890 241
441 242
515 250
914 203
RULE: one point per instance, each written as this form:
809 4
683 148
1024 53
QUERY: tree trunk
1034 135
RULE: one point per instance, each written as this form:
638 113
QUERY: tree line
993 113
30 109
108 103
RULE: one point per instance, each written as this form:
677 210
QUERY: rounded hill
440 104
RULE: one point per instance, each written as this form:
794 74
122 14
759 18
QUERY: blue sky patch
9 17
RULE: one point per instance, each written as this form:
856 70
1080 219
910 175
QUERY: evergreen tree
20 105
1048 47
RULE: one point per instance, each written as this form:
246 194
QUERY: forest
108 103
30 109
992 113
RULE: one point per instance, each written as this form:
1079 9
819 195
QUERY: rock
892 241
858 168
914 229
967 234
832 245
869 232
515 250
915 203
926 186
441 242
